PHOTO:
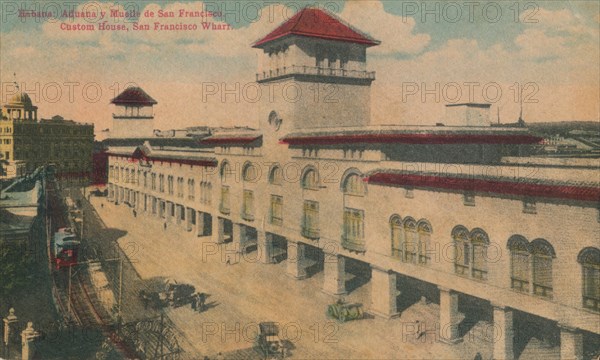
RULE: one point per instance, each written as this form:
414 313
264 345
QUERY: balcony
311 233
315 71
247 216
224 209
353 244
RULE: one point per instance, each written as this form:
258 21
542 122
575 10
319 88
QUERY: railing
313 70
353 244
224 209
519 285
310 233
247 216
276 220
591 303
541 290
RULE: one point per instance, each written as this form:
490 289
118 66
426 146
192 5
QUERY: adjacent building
27 143
457 214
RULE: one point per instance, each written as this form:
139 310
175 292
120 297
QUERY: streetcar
65 248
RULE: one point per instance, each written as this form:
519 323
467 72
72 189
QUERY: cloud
394 32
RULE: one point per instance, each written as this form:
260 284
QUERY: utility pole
120 284
70 267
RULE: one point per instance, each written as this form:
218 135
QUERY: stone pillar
191 214
9 323
449 316
238 235
571 343
218 229
504 339
265 246
295 260
28 338
384 293
334 274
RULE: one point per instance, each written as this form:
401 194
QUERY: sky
544 54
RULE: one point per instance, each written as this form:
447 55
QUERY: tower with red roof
313 73
134 114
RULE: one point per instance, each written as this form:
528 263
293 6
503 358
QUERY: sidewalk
248 292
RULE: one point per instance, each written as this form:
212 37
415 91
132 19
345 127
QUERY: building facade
456 214
27 143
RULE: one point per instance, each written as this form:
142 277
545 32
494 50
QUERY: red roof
133 96
412 138
318 23
525 187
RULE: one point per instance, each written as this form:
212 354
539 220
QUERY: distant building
27 143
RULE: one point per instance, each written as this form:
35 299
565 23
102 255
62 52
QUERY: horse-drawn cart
344 312
268 341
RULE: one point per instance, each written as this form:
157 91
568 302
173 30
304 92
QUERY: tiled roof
414 135
522 186
133 96
231 138
313 22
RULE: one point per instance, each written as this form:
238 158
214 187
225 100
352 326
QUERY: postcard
368 179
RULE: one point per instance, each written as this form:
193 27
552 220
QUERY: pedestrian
134 213
228 262
220 356
478 356
419 329
165 226
194 302
145 299
102 205
201 301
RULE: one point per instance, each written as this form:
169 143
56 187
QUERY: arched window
353 185
542 253
424 231
397 233
471 252
519 263
276 176
589 258
310 179
410 240
479 242
250 173
225 172
462 257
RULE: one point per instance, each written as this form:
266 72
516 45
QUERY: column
218 229
334 274
28 338
238 235
295 257
449 316
384 293
571 343
177 214
265 246
9 321
503 340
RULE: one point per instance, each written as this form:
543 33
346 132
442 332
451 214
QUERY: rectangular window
529 206
191 189
225 201
276 210
248 205
354 232
469 199
310 220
